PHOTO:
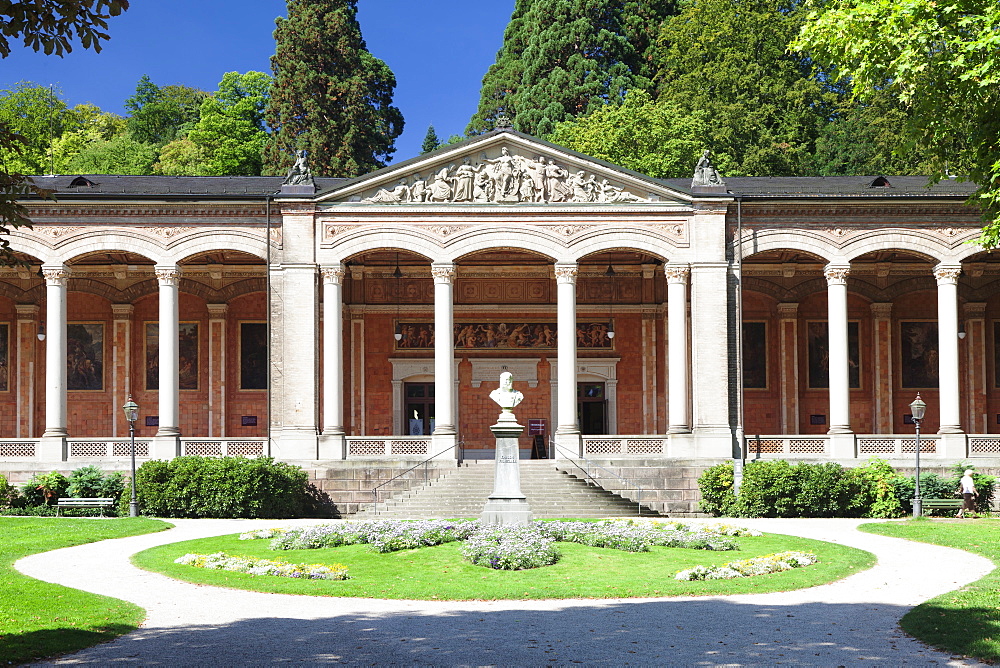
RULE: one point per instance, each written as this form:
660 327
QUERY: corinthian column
840 391
444 352
567 431
677 339
169 277
333 350
947 293
55 351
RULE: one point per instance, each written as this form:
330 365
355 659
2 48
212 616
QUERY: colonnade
567 429
948 364
56 279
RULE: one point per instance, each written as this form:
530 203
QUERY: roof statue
503 123
706 176
299 179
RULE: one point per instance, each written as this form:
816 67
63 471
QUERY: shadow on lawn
668 631
21 647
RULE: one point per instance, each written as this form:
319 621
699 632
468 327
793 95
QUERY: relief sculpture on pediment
506 179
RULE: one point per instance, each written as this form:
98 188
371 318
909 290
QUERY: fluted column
55 350
169 277
677 339
567 431
947 293
444 349
840 397
333 350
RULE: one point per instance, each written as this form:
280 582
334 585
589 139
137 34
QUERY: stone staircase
461 494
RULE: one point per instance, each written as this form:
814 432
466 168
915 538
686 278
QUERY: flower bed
255 566
744 568
505 548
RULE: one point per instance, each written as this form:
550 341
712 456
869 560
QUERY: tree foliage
564 58
431 140
659 140
230 132
938 57
160 115
52 25
330 96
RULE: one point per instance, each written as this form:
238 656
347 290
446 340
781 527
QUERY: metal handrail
628 483
461 448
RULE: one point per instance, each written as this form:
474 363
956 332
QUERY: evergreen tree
431 140
330 96
564 58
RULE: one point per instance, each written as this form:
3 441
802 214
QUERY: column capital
334 274
836 274
27 311
788 310
122 311
217 311
443 272
882 310
55 274
947 273
677 273
974 310
566 272
167 274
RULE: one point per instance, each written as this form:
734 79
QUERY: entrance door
591 408
418 408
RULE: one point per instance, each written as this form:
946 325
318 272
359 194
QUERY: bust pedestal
507 506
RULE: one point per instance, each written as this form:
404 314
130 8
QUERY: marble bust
506 396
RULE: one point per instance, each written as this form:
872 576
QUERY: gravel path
851 622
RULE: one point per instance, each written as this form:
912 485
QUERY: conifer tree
330 96
431 140
564 58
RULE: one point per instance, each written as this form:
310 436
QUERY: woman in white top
968 489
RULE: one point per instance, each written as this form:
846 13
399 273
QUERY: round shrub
225 487
716 485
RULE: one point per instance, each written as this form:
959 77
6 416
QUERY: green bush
44 488
716 485
768 490
222 487
90 482
8 493
876 490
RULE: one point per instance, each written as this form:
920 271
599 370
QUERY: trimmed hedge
225 487
776 488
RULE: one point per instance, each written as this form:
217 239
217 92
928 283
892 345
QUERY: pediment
502 168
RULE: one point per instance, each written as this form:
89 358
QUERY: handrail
590 476
461 447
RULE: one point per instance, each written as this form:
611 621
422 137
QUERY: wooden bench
83 503
940 504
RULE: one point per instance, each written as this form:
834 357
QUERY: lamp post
917 409
132 414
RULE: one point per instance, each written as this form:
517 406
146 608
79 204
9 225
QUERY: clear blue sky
439 51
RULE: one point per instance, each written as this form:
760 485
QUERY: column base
679 429
444 445
168 431
843 445
165 447
952 445
507 512
333 446
568 445
51 448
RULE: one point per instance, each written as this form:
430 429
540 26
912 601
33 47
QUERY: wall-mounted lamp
41 331
397 274
610 273
961 330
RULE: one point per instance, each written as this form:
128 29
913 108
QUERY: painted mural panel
187 356
253 356
918 349
85 356
755 355
504 335
4 357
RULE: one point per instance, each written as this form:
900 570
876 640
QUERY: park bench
940 504
83 503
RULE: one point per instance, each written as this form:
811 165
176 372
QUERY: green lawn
966 621
38 619
441 573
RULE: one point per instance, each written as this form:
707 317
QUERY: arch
206 241
24 242
91 241
622 239
365 241
30 296
487 238
916 242
768 240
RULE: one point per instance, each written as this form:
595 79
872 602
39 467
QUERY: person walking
967 487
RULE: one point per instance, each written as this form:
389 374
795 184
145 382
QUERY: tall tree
940 59
330 96
160 115
564 58
230 132
38 115
431 140
729 59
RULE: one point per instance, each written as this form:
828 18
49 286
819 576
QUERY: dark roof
836 186
89 185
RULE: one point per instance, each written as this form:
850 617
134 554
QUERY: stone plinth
507 506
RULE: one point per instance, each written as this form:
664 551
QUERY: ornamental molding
56 231
677 273
333 274
444 274
881 310
566 274
56 276
443 231
947 274
168 276
104 210
836 274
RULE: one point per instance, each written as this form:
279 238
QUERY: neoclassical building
369 318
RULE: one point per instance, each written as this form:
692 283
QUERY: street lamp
917 409
132 414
